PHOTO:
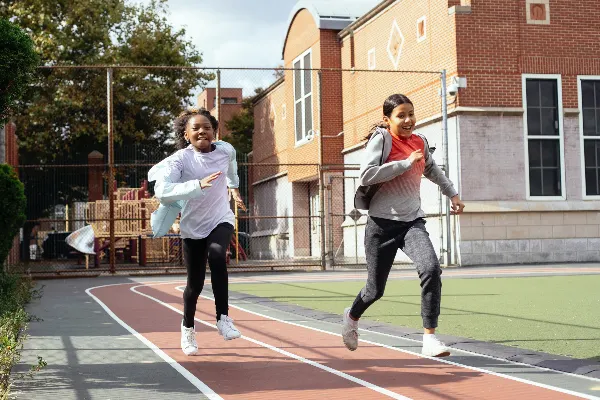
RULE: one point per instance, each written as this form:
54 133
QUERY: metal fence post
321 176
111 166
445 140
218 105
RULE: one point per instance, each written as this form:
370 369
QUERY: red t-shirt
402 149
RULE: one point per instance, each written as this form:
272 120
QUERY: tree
63 115
18 60
241 125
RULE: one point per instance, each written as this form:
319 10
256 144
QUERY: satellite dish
82 240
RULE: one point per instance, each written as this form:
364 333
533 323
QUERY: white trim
528 12
395 29
270 178
581 137
424 20
374 59
296 357
201 386
561 136
303 96
370 21
492 206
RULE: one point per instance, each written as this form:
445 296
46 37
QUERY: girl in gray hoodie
390 188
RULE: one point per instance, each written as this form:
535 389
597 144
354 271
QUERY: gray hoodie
384 191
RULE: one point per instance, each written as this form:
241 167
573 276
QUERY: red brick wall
332 117
495 45
270 141
206 99
365 92
12 148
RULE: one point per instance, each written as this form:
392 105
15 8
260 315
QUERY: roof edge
268 90
365 18
321 21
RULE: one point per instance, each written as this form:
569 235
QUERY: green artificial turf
557 315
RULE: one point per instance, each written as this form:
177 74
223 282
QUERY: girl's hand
237 197
415 156
206 182
457 205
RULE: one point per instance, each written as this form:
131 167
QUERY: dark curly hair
388 106
181 123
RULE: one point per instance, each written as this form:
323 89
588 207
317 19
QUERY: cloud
235 33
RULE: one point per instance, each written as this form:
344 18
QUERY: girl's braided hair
182 120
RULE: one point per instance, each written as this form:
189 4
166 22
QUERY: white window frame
581 137
302 99
561 137
424 20
371 53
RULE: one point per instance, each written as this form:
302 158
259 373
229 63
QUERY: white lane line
201 386
340 374
442 360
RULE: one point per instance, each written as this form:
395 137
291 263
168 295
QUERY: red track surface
242 369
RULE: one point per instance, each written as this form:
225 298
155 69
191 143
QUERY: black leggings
196 252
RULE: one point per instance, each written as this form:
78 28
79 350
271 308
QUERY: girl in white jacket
200 174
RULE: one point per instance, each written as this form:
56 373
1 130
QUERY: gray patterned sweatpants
383 238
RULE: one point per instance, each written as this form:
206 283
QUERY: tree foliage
18 60
241 125
63 116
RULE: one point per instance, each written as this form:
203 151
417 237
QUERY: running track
275 359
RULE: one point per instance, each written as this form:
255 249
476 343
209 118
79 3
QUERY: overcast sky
235 33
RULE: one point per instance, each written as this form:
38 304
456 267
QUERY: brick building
231 104
523 115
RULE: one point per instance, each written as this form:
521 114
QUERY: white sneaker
188 341
227 329
350 331
433 347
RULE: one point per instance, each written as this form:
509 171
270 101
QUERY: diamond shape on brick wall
395 44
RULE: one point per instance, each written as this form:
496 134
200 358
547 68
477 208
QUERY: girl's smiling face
402 120
200 133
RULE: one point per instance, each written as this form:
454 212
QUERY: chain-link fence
89 135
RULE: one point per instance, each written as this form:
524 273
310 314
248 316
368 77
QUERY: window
538 12
303 96
421 29
543 130
590 128
372 61
226 100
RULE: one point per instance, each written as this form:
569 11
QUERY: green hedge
15 292
12 209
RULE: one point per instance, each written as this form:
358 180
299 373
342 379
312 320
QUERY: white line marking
287 353
201 386
514 378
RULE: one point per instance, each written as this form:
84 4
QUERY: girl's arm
233 179
374 170
168 187
435 174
